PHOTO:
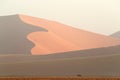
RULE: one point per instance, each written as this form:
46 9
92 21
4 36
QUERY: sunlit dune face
47 43
63 38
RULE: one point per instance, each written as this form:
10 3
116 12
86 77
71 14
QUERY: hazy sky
101 16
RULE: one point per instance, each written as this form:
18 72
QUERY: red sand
63 38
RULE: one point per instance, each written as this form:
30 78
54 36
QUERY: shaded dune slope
13 35
63 38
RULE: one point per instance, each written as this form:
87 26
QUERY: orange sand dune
63 38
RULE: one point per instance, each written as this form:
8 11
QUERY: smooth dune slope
63 38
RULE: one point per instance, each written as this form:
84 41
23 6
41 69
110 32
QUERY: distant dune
116 34
63 38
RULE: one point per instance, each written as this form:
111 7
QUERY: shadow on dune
13 35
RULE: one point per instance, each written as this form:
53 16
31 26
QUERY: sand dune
63 38
70 51
21 34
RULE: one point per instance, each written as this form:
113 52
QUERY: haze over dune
63 38
116 35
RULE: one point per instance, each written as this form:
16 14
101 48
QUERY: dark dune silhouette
116 35
13 35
